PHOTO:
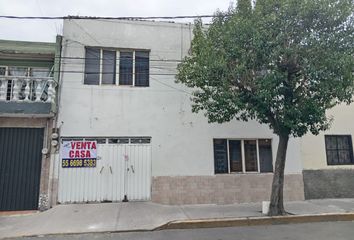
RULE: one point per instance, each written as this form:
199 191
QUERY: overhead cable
111 18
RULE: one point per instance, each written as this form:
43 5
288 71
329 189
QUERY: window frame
242 141
6 70
111 140
117 66
350 149
29 71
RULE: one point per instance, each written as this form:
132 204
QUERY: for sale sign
79 154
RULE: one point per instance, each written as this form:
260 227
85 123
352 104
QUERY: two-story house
117 87
29 72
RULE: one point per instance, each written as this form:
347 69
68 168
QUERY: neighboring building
118 88
328 158
28 81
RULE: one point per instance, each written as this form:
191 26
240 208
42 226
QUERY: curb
17 213
219 222
256 221
75 233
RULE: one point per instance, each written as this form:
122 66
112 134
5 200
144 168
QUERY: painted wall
182 142
313 149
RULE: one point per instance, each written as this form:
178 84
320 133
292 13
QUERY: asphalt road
308 231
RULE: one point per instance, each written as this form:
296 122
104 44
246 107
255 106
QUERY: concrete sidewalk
140 216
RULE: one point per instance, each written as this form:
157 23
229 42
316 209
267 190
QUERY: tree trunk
276 200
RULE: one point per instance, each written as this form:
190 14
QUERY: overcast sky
46 30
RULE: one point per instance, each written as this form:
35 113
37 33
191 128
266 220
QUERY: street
308 231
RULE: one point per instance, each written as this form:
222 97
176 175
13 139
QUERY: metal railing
27 89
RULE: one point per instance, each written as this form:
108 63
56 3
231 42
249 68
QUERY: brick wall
222 189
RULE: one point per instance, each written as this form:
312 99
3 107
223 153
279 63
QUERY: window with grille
339 149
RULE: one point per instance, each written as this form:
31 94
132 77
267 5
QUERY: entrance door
20 167
123 171
138 171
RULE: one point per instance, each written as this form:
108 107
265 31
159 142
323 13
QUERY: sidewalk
140 216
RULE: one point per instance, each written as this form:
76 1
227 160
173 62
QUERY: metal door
82 184
20 167
113 156
138 181
121 170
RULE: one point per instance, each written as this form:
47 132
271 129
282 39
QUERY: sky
46 30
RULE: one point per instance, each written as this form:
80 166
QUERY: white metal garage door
123 169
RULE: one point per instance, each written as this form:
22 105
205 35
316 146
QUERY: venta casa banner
78 154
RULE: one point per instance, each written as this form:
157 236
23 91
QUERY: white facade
181 141
313 149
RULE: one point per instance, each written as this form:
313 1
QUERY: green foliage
283 63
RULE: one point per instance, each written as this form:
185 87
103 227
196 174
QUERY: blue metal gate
20 168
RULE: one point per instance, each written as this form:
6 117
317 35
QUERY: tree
281 62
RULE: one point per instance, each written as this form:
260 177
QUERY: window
2 71
37 72
102 67
139 140
92 66
23 72
118 140
241 156
141 68
111 140
18 71
108 67
126 68
339 149
265 155
235 156
251 155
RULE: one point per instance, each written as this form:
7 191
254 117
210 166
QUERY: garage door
20 167
123 170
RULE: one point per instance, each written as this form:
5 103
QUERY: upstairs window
242 156
141 68
108 67
21 71
92 66
121 67
2 71
339 149
126 68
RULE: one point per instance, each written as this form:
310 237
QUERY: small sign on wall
78 154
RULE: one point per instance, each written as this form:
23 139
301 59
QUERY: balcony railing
27 89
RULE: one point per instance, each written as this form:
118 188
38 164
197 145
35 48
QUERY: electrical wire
89 58
170 86
111 18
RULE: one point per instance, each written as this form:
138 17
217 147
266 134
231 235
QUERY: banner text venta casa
79 154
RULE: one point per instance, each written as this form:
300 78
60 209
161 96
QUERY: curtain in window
39 72
17 71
